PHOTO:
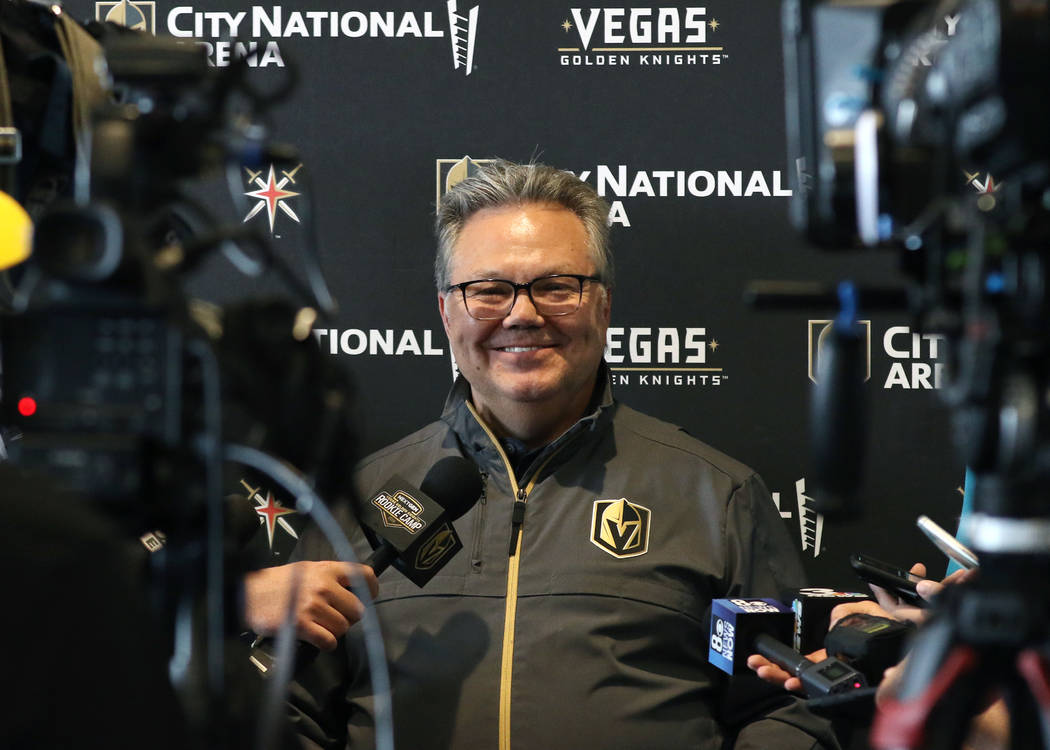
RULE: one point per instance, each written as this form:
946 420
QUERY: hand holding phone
890 577
946 543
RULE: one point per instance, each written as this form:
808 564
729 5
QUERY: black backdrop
382 114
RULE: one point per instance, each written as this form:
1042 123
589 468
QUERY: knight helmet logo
140 16
620 527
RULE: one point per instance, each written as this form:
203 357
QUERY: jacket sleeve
763 562
317 708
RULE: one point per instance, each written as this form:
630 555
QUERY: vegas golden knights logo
818 332
621 528
453 171
431 553
140 15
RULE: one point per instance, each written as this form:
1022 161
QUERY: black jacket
593 632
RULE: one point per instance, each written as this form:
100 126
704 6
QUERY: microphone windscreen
454 483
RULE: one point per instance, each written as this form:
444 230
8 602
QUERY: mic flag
736 623
415 524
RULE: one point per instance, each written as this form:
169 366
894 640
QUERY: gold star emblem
713 344
566 25
714 24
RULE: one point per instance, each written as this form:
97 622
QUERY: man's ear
441 311
607 306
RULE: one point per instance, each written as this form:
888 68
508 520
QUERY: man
576 614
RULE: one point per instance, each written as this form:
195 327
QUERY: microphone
736 623
869 643
827 677
412 528
813 613
838 414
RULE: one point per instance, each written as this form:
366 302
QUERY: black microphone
827 677
813 614
736 623
415 525
838 419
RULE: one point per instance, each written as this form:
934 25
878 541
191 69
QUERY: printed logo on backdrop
817 333
260 27
639 37
914 358
661 357
140 16
271 193
810 523
272 514
614 182
620 527
985 189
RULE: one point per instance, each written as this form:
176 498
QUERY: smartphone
895 580
947 544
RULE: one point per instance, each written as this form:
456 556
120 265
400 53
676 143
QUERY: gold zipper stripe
511 607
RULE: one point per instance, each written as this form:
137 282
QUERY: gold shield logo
140 15
620 528
818 332
431 553
452 171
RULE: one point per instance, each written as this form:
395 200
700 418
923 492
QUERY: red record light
27 406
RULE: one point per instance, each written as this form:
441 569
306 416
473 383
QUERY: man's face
525 358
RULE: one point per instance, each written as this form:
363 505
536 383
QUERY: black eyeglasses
493 299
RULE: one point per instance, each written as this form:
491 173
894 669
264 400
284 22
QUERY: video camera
116 384
925 127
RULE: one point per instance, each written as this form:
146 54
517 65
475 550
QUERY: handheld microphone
827 677
412 528
813 613
736 623
838 413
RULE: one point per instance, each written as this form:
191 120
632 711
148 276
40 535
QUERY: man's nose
523 312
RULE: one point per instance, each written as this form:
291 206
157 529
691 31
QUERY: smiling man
576 615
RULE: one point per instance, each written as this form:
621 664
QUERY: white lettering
694 342
640 350
585 28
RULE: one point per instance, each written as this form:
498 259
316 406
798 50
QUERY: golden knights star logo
270 511
620 527
271 193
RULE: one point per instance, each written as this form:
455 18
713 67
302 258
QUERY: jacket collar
478 446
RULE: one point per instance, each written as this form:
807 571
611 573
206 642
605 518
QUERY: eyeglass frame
527 286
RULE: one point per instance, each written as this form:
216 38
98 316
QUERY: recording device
923 127
112 383
827 677
812 608
736 623
895 580
947 543
868 643
415 525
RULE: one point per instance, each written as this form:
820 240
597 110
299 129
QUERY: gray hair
503 183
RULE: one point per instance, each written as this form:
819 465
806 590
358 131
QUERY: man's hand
324 608
776 675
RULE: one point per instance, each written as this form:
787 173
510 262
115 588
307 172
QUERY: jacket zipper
479 526
511 607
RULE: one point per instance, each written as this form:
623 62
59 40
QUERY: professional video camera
925 126
115 383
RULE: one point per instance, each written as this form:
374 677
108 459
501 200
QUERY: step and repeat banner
675 114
